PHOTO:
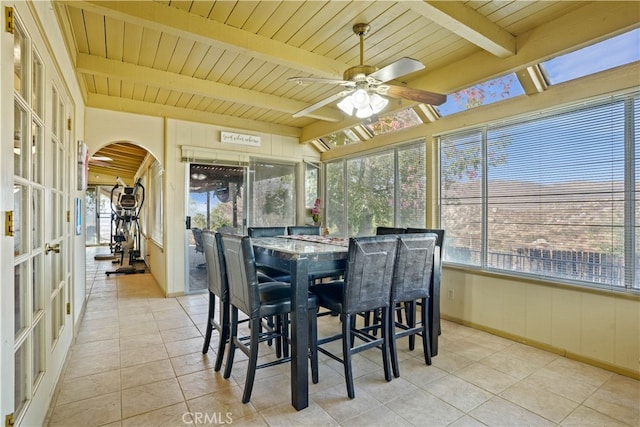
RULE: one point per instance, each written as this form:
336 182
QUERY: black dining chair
256 232
274 273
257 301
412 277
218 288
366 287
309 230
434 299
389 230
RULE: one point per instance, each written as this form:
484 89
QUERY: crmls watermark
211 418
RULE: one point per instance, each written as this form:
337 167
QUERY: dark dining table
302 257
313 256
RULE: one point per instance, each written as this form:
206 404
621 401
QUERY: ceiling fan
365 84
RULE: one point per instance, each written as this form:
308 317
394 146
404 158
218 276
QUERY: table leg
299 334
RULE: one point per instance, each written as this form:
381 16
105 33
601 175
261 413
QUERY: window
552 196
610 53
484 93
385 188
392 122
273 194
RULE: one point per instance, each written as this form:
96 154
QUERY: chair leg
426 336
224 333
346 354
393 349
253 359
232 345
387 319
313 344
410 307
207 336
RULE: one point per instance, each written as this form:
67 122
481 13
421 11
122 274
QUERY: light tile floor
137 361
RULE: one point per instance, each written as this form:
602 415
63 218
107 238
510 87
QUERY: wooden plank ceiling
227 62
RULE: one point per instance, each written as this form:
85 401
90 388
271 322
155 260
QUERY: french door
42 158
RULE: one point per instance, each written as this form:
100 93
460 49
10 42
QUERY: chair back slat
216 269
241 272
266 231
413 267
369 271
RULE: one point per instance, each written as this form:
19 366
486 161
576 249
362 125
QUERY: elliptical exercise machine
126 204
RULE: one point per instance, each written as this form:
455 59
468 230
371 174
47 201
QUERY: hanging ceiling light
365 105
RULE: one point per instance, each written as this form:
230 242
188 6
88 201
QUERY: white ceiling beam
180 23
109 68
468 24
150 109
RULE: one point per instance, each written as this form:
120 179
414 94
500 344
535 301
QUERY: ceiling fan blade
322 103
303 80
415 95
397 69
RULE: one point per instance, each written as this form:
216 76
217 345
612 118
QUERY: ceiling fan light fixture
360 99
346 105
378 103
365 112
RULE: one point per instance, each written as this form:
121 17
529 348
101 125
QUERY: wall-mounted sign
238 138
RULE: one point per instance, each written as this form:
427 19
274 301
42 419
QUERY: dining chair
389 230
309 230
412 276
366 287
266 231
256 232
218 288
256 301
434 299
197 237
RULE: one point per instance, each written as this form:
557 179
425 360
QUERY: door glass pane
19 64
37 346
20 142
21 283
37 89
20 219
54 112
37 291
21 380
36 152
36 218
371 193
274 195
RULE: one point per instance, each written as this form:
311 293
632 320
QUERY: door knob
51 248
